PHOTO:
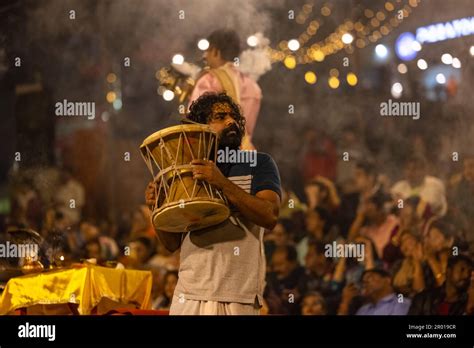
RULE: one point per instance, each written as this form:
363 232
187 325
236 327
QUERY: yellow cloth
86 286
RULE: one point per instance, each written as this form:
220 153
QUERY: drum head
195 215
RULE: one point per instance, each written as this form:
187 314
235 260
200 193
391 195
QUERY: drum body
182 203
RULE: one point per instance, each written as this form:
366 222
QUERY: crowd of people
408 231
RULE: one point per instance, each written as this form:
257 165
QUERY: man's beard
232 140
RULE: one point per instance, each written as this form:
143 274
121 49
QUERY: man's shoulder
263 158
253 159
206 78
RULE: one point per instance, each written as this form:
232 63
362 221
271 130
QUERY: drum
182 203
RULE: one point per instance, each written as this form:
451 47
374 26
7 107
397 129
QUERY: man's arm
261 209
170 240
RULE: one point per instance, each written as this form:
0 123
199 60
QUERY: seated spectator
414 215
318 228
141 251
284 279
163 302
374 222
437 247
378 291
313 304
321 192
319 276
451 298
277 237
418 183
349 270
89 232
366 180
366 185
93 251
411 274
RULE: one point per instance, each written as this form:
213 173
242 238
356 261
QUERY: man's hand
208 171
150 197
348 293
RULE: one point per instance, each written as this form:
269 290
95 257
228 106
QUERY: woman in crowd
411 274
313 304
163 302
438 244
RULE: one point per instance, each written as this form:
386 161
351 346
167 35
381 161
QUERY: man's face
313 221
281 266
460 276
314 260
280 236
223 123
373 283
141 252
93 250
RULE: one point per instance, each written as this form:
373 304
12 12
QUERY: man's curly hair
201 109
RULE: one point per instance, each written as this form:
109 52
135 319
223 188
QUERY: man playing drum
222 267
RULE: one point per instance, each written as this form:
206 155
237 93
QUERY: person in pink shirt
374 222
222 75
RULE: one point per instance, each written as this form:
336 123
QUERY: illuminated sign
404 46
444 31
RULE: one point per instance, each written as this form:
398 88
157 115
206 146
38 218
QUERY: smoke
256 62
164 24
78 41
